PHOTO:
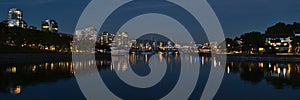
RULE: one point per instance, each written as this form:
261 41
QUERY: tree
296 45
280 28
21 36
231 45
252 41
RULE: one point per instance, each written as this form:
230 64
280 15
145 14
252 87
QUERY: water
242 80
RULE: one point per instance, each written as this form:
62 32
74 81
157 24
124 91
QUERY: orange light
45 26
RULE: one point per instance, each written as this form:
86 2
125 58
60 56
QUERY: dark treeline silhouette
251 42
33 40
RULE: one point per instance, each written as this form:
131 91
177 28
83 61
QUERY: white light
228 70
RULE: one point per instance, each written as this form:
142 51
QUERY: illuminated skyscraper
15 13
49 25
106 38
15 18
121 39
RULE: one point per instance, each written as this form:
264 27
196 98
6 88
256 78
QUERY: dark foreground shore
11 58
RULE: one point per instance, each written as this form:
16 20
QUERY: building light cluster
281 43
49 25
15 19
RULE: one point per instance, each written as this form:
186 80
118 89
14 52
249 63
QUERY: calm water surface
242 80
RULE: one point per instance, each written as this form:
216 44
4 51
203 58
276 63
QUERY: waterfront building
121 40
296 41
297 33
106 38
89 33
49 25
88 36
132 43
281 42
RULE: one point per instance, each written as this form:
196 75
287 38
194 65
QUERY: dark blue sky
236 16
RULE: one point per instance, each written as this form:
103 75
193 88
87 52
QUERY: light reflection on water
279 74
14 77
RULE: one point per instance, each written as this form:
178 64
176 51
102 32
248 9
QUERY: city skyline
149 49
236 17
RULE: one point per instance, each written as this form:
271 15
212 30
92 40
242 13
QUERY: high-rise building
84 39
106 38
15 13
121 39
86 34
49 25
15 19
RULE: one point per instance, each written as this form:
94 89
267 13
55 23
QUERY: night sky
236 16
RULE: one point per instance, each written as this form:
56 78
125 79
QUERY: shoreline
263 58
14 58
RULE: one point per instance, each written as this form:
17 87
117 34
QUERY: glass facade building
49 25
15 18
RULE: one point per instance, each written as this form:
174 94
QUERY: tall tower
106 38
121 39
15 18
15 13
49 25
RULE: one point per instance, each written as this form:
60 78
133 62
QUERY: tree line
20 37
251 42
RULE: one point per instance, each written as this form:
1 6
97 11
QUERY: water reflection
16 89
279 74
14 77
